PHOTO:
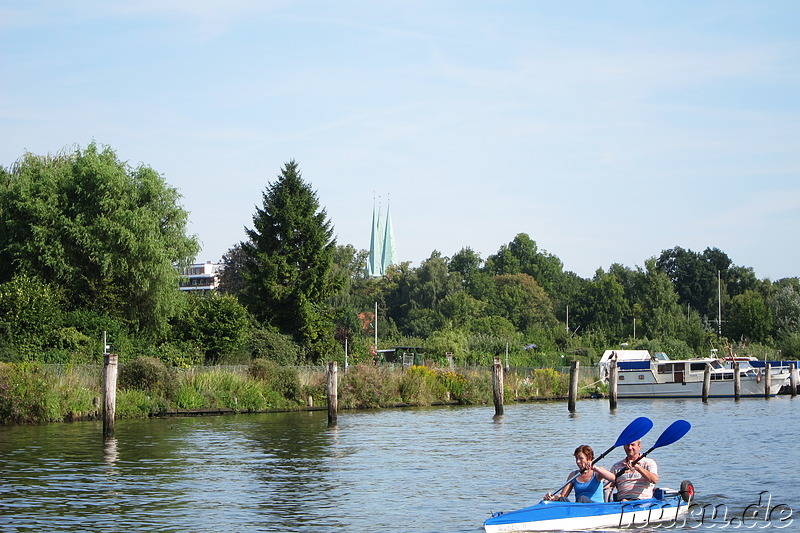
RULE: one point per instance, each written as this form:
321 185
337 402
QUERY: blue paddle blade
675 431
635 431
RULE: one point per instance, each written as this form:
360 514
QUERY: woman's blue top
592 489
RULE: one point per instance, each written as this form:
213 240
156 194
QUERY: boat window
721 377
697 366
668 368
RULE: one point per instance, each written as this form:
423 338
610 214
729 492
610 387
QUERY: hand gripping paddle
674 432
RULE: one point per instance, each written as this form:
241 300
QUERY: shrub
148 374
269 343
26 395
282 380
134 403
477 389
543 383
228 390
453 382
419 386
368 386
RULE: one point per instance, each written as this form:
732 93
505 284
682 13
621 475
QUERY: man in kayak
636 476
588 480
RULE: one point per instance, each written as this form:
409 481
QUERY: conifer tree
287 262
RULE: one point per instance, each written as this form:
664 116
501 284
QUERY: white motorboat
661 377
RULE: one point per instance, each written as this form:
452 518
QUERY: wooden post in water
706 382
737 382
793 379
573 385
613 374
497 386
109 392
767 380
332 393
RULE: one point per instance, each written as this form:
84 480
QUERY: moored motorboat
684 379
641 375
666 506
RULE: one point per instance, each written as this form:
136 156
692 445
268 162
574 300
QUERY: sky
607 131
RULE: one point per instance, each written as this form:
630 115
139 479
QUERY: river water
438 469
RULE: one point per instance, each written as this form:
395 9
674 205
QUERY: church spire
382 249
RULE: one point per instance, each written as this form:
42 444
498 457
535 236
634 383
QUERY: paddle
635 431
674 432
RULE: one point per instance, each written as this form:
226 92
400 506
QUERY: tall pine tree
287 262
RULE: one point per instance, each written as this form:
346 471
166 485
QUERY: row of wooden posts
332 386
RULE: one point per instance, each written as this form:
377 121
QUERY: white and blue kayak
666 506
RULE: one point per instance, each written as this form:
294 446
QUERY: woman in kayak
588 480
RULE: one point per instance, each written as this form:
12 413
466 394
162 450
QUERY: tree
107 235
29 309
661 313
288 259
749 317
694 276
522 301
429 286
522 255
466 262
230 276
602 306
785 306
217 323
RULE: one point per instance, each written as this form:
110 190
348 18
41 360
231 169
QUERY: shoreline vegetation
35 393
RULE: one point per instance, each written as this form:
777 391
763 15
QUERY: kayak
665 506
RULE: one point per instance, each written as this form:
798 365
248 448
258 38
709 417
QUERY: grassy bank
35 393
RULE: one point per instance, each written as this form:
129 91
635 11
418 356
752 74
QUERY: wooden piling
793 379
332 393
573 385
109 392
737 382
497 386
613 374
767 380
706 382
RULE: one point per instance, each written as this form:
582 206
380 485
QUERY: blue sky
607 131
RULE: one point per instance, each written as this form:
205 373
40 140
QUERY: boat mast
719 303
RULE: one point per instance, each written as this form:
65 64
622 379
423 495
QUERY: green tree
428 288
107 235
602 306
660 313
785 306
29 310
288 259
695 277
466 262
749 317
230 276
522 301
217 323
522 255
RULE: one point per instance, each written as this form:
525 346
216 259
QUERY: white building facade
201 277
